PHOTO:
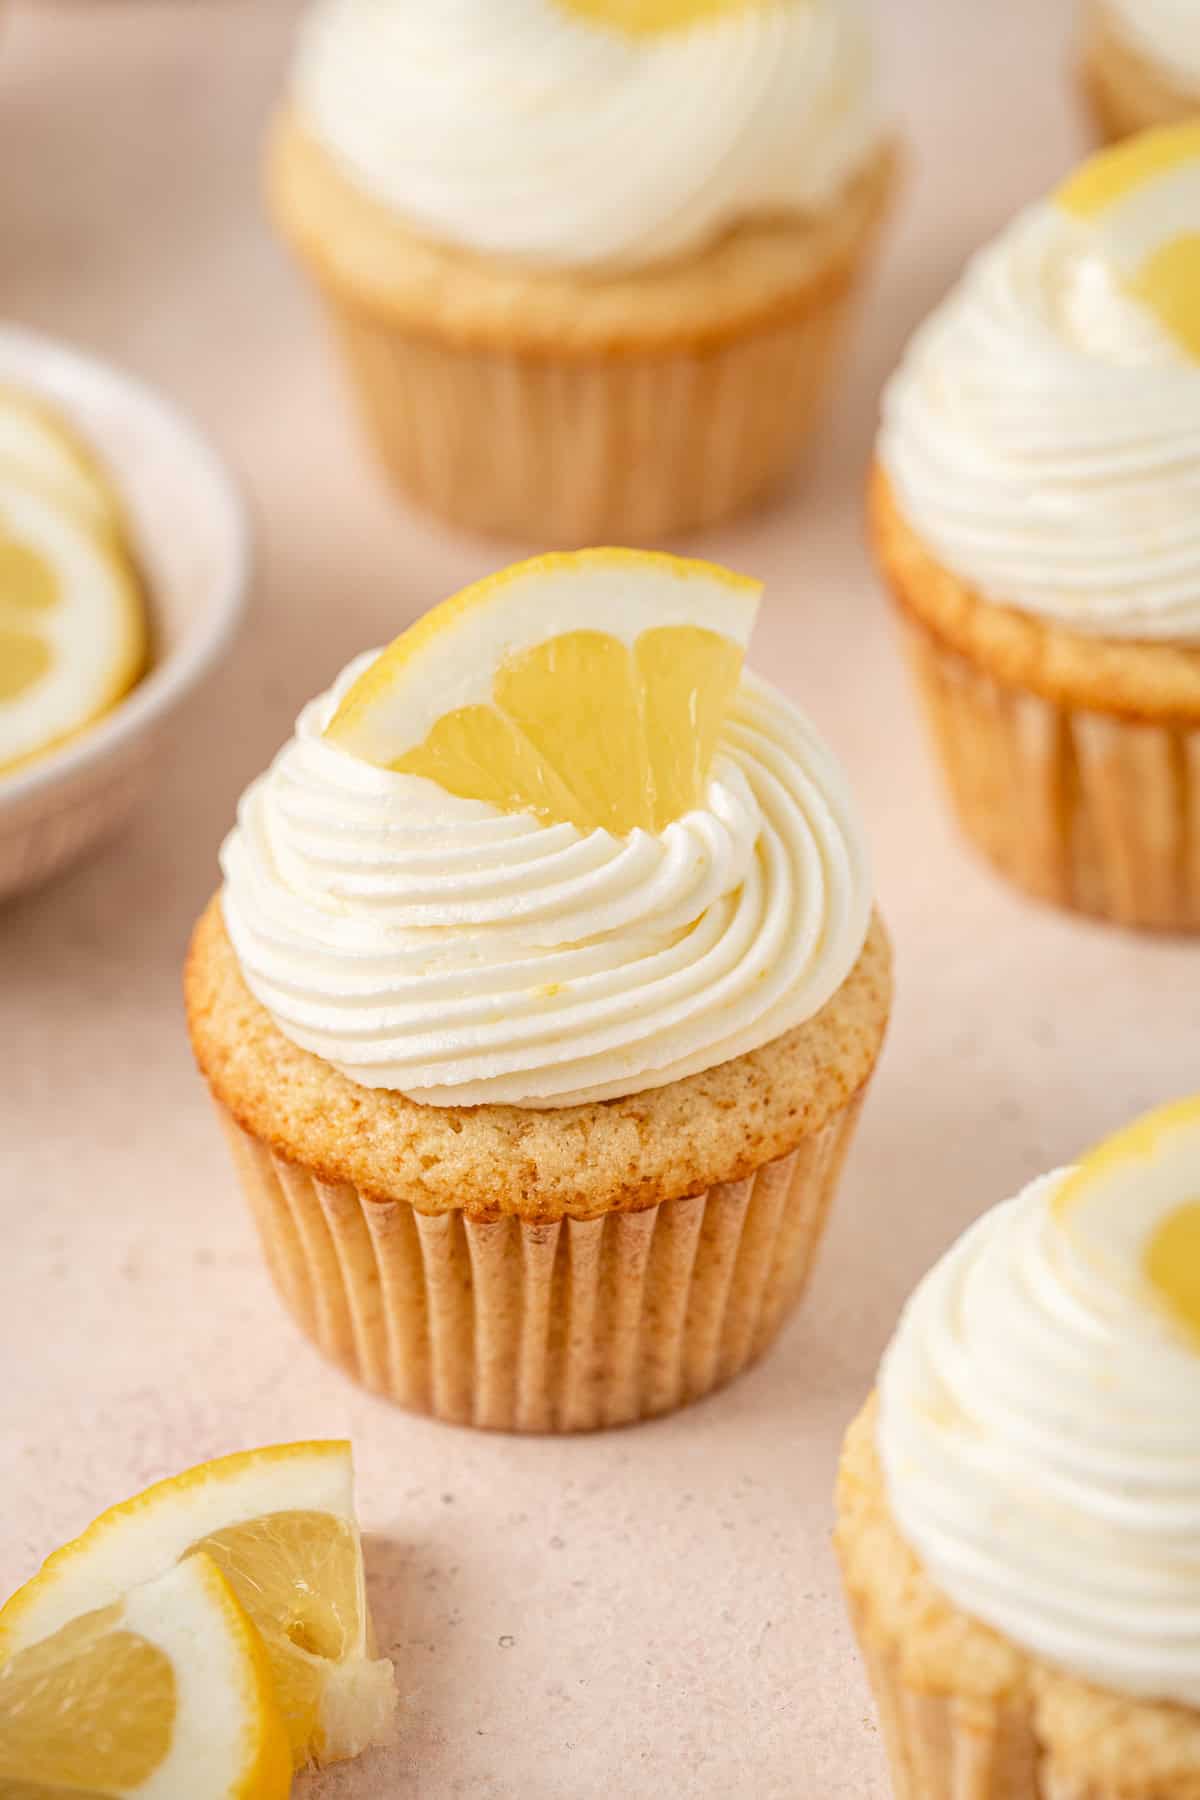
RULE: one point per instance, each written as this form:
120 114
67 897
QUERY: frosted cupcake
541 998
1140 64
1019 1512
1036 511
588 260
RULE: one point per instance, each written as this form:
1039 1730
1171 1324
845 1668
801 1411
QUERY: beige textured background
654 1610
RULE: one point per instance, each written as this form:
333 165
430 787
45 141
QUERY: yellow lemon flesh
1133 1206
169 1686
651 18
279 1525
586 688
42 451
1143 199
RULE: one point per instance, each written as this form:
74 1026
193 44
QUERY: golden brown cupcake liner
1087 809
545 1326
568 450
1123 90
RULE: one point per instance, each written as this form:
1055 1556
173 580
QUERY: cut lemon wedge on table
588 688
1132 1207
279 1524
72 626
166 1694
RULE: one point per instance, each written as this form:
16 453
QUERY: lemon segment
279 1525
1132 1206
166 1694
651 18
41 451
586 688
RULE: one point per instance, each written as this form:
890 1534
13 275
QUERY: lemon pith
609 723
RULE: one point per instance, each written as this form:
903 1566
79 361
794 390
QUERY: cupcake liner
1090 810
1123 90
570 450
525 1325
950 1746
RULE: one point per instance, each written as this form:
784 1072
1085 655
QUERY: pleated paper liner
569 451
1123 90
1085 809
564 1326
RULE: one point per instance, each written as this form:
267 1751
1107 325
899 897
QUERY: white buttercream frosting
1039 1431
462 955
1042 436
516 128
1167 31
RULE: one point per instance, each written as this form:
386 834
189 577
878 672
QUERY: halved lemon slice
72 623
588 688
166 1694
40 449
280 1525
1133 1207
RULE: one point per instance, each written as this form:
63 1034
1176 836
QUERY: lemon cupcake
1140 64
541 998
1036 511
588 260
1019 1510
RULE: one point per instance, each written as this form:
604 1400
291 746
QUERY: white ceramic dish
190 535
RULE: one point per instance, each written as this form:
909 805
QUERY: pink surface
655 1609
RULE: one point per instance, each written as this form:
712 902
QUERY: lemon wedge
1132 1206
166 1694
40 449
72 624
588 688
279 1524
650 18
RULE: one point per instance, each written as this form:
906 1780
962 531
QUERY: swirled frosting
1164 30
1039 1431
517 128
462 955
1042 436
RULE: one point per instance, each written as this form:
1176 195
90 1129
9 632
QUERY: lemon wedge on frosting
166 1692
1132 1206
1142 199
72 624
279 1524
588 688
650 18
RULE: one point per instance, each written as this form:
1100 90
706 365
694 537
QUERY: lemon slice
165 1694
72 624
1142 200
588 688
650 18
280 1525
1133 1207
40 449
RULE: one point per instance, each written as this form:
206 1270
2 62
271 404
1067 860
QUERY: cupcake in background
1036 512
1140 64
588 260
1019 1509
541 998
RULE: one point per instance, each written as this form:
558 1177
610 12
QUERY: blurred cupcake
541 998
588 260
1019 1512
1036 511
1140 64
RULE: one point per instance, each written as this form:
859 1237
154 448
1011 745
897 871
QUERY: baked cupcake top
1039 1418
553 846
576 133
1042 434
1164 30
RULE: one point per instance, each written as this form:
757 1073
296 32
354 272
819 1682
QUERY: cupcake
541 997
588 261
1019 1509
1035 510
1140 64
